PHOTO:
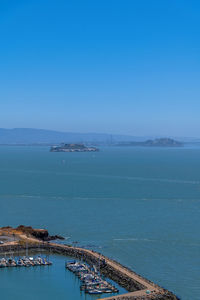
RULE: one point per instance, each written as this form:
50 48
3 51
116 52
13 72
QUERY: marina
91 268
24 261
91 280
50 282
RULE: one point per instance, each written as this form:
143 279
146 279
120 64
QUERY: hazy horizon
153 136
123 68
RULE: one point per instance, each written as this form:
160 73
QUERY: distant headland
73 148
38 137
162 142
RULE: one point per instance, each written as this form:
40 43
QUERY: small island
73 148
162 142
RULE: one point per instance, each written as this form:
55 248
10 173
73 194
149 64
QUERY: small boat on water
20 263
2 263
94 291
24 262
92 282
11 262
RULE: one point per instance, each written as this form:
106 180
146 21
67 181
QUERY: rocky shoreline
28 231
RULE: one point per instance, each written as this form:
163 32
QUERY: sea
140 206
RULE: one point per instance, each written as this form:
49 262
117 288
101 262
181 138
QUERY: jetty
138 287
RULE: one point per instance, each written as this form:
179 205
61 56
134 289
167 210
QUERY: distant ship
73 148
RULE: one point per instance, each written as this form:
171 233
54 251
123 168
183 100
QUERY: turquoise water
140 206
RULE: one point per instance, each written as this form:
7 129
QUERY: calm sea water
140 206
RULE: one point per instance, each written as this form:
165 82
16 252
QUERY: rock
41 234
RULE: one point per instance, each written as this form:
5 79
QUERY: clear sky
116 66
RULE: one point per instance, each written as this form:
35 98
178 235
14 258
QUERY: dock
138 287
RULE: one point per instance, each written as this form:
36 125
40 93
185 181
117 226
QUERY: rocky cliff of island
162 142
73 148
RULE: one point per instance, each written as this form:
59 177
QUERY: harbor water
140 206
49 282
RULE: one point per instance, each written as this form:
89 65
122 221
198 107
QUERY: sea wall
89 257
111 269
167 296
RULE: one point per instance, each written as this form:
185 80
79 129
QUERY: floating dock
25 261
91 280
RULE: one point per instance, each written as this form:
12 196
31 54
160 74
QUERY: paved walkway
135 294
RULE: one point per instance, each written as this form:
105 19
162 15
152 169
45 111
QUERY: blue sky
128 66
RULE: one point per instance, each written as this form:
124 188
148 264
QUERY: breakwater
138 288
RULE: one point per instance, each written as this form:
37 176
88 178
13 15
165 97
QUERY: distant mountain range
50 137
42 136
